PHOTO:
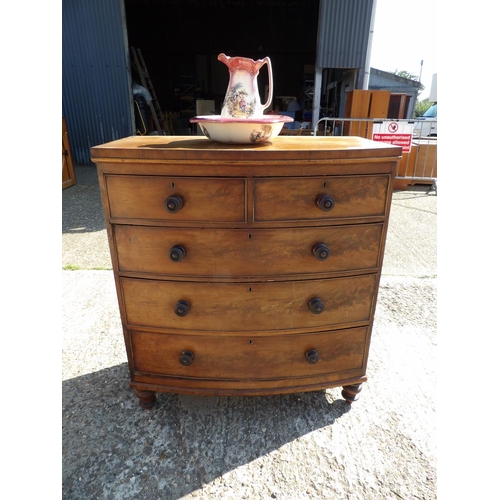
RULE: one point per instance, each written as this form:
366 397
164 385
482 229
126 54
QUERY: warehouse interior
181 39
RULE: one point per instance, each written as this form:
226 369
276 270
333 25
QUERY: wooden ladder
154 105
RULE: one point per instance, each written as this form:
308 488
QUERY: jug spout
223 58
242 63
242 97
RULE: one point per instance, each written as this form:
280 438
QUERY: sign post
395 132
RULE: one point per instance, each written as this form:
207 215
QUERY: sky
404 34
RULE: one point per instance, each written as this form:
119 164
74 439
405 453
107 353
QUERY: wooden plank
68 170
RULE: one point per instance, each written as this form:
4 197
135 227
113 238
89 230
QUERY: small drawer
249 357
236 252
235 307
177 198
317 198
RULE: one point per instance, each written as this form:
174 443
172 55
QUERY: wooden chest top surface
197 147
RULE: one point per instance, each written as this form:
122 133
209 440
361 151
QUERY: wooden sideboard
246 270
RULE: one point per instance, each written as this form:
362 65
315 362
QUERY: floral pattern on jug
238 103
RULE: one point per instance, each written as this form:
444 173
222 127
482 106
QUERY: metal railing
417 166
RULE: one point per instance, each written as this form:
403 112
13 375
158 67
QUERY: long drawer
312 198
177 198
233 307
233 252
249 357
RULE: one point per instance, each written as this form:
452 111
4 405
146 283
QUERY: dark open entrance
181 39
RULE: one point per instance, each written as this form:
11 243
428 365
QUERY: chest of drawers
246 270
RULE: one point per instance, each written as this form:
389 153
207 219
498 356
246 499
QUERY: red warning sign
395 133
393 127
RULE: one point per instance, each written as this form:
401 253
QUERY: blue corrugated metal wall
96 89
343 31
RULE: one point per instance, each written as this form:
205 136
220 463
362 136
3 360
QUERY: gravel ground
299 446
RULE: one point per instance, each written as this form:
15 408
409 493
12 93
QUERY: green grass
71 267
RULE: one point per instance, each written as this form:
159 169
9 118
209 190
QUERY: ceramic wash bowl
241 130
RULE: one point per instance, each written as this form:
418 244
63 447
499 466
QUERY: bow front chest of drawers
246 270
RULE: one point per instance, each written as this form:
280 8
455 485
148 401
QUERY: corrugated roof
379 77
343 32
96 92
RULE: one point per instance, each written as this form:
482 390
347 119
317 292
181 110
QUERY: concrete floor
294 447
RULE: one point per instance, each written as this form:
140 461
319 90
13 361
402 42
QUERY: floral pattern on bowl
261 135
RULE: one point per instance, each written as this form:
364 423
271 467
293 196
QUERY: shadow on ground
113 447
81 203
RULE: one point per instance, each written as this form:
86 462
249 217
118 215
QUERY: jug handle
267 61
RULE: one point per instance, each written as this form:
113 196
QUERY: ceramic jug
242 97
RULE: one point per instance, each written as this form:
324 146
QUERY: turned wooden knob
177 253
316 305
325 202
321 251
182 307
186 358
173 204
312 356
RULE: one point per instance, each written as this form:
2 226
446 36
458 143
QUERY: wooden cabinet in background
419 166
365 104
68 170
423 158
246 270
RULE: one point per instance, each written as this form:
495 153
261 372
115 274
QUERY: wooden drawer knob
182 308
312 356
177 253
321 251
186 358
316 305
173 204
325 202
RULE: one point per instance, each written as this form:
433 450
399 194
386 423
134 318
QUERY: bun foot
147 399
351 392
